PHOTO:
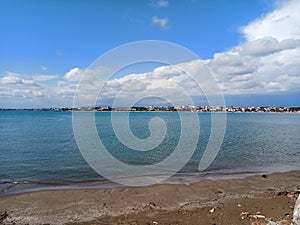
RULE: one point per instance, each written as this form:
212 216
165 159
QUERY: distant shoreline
213 109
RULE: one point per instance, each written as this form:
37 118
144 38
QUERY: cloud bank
281 24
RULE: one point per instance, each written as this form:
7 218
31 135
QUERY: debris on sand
3 216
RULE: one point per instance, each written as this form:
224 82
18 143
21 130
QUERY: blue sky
51 38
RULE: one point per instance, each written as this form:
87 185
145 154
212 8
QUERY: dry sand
254 200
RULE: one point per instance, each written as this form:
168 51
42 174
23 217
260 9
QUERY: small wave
13 187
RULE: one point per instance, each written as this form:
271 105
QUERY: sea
38 149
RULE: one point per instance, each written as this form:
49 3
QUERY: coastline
27 186
204 202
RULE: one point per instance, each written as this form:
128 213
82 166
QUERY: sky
251 47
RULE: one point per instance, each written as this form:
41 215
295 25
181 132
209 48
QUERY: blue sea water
38 149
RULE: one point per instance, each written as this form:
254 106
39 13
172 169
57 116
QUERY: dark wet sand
239 201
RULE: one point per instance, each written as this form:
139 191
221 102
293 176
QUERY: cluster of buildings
184 108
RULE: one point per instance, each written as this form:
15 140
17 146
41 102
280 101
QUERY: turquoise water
38 149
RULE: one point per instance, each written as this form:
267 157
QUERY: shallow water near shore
38 150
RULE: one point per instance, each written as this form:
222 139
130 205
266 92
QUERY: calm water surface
38 149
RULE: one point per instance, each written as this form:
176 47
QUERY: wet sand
253 200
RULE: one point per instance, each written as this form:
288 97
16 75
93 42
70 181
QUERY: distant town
184 108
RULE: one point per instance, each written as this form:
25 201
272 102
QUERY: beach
155 112
252 200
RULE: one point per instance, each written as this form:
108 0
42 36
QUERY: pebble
282 193
272 223
244 215
257 216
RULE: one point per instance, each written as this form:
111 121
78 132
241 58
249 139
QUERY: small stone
258 216
244 215
290 195
272 223
3 216
150 205
282 193
285 222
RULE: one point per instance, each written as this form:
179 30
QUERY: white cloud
74 74
44 68
162 22
282 23
159 4
65 89
11 80
269 45
42 78
239 71
16 79
17 86
268 61
21 90
168 82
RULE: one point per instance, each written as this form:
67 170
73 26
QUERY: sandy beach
253 200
